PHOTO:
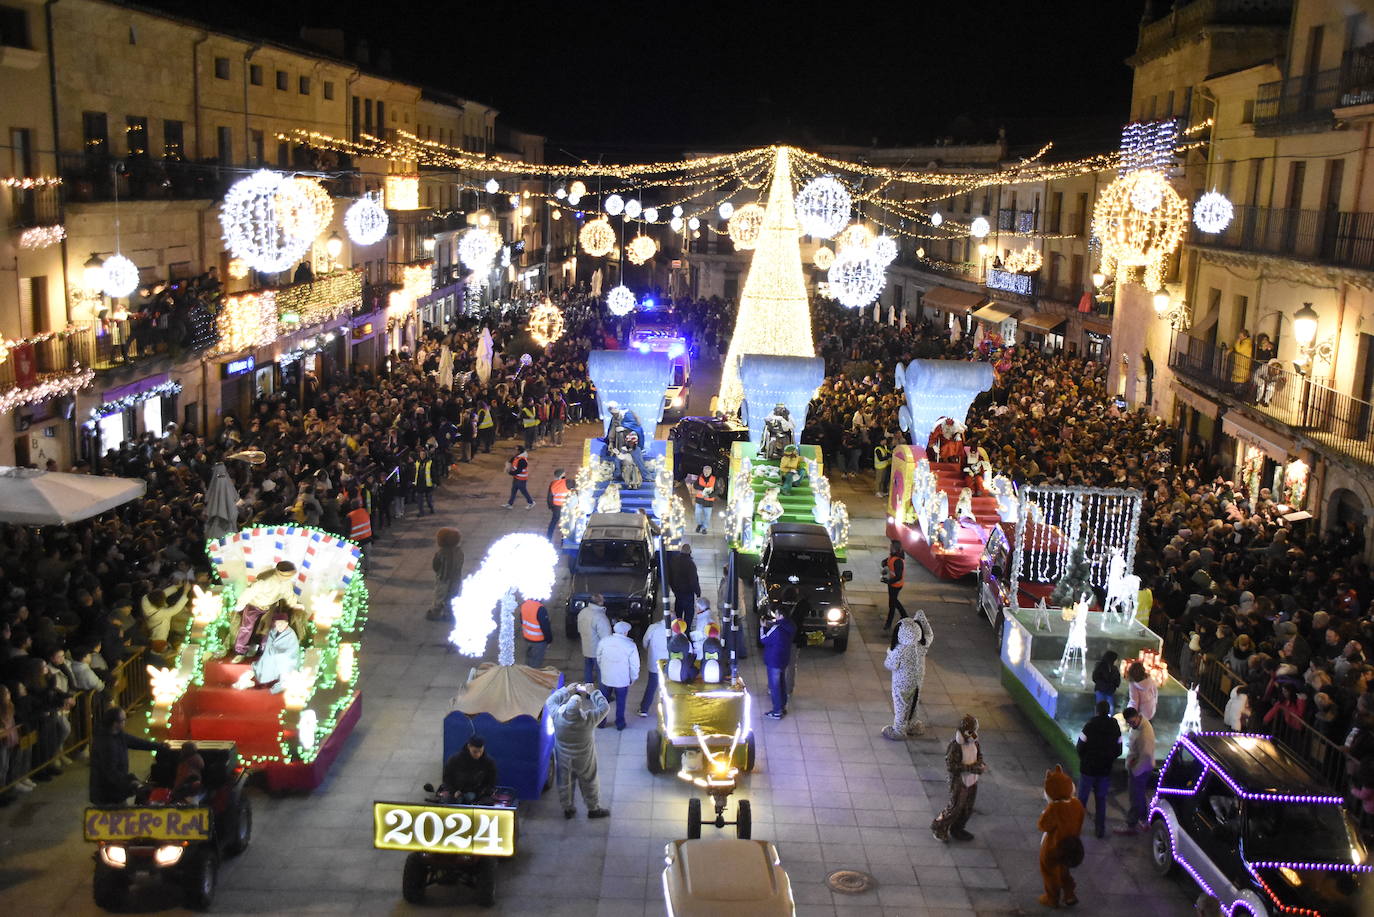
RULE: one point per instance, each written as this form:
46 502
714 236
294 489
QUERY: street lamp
334 246
1099 279
93 274
1305 327
1161 304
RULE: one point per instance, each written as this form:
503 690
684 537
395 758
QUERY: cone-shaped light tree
774 316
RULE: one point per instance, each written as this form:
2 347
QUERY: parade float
932 511
1072 550
286 695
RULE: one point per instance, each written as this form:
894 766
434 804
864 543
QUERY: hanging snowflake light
365 220
251 218
615 205
1213 212
641 249
546 323
477 248
855 235
725 210
597 237
493 186
620 300
651 214
121 276
744 226
823 258
885 249
633 208
856 278
937 218
309 221
823 207
979 228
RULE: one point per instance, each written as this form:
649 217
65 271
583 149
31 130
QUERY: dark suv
1255 829
699 441
615 558
801 554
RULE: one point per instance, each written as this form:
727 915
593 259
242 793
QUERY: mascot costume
1060 847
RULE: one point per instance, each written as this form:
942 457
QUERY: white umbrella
32 497
485 350
221 504
445 367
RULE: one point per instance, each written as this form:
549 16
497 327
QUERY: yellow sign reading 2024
475 830
154 824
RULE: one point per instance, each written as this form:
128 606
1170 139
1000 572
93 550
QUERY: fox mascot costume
1060 848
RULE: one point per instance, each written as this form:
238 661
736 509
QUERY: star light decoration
620 300
641 249
1213 212
522 563
1133 237
121 276
744 226
597 237
365 220
251 217
823 207
856 278
477 248
545 324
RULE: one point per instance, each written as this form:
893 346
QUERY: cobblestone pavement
828 788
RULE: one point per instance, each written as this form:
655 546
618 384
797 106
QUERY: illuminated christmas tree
1075 585
774 316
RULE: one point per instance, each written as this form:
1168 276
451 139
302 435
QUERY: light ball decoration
675 224
577 189
633 208
856 278
885 249
855 235
1213 212
615 205
597 237
651 214
1133 237
238 268
557 215
745 223
561 193
725 210
477 248
979 228
677 210
574 199
493 186
641 249
823 207
251 218
823 258
937 218
545 324
694 223
620 300
305 222
121 276
365 220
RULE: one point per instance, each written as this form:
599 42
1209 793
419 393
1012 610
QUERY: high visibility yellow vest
529 419
882 457
484 419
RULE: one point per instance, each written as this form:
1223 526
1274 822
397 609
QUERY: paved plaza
828 788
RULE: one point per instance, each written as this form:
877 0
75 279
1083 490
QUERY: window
172 134
95 137
136 135
221 68
1247 114
303 84
14 27
283 155
381 118
255 74
367 116
21 151
1169 104
257 141
281 80
329 90
356 123
1183 771
226 145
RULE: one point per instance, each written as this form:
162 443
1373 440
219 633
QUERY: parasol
32 497
445 367
221 504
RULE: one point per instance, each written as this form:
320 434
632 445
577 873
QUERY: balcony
1309 405
1323 236
92 177
60 362
1298 101
34 207
1357 76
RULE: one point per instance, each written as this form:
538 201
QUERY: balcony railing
1298 99
1309 405
34 206
58 354
95 178
1357 76
1326 236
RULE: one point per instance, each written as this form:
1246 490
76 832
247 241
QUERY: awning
1276 445
949 299
1098 326
1043 322
1200 403
30 497
995 313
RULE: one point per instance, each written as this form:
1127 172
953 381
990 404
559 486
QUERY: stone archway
1344 505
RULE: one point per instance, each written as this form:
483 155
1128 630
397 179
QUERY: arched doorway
1345 506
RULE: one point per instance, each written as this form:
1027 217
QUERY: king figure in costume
280 655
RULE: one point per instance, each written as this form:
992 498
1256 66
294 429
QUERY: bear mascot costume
1060 848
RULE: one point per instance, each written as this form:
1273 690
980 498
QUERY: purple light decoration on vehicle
1320 867
1188 867
1241 791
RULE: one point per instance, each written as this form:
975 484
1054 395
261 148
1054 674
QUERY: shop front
1267 459
238 382
365 337
949 305
1097 339
998 318
129 411
1043 331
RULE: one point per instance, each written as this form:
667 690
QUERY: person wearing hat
964 764
618 658
790 468
655 645
280 655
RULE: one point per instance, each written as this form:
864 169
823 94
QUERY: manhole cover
850 881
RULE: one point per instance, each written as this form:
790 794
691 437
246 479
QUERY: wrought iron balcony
1325 236
1297 100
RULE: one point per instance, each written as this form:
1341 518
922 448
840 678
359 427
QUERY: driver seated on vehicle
680 656
187 784
470 775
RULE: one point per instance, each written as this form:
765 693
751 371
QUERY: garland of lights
597 237
1026 260
620 300
41 237
48 386
1132 236
247 320
119 405
545 324
30 184
1213 212
641 249
823 207
365 220
251 217
745 223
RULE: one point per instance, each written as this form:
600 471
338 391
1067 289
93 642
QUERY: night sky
647 78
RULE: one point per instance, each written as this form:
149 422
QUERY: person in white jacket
593 626
618 658
906 660
655 644
159 608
